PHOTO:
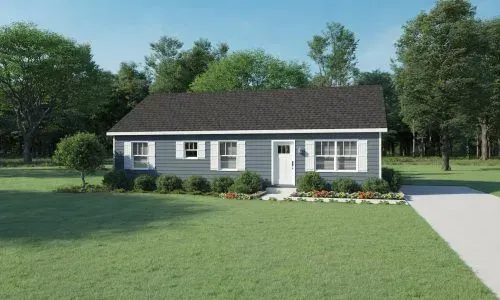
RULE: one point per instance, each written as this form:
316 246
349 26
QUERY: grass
480 175
153 246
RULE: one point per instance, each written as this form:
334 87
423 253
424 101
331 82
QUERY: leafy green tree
127 88
392 106
485 90
435 61
82 152
250 70
173 69
335 53
41 72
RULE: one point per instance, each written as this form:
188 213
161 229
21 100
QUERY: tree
82 152
486 104
392 107
250 70
335 53
127 88
41 72
174 70
435 68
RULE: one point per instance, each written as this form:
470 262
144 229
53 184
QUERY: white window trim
235 156
335 155
184 149
132 155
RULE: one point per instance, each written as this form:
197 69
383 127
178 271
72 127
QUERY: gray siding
257 158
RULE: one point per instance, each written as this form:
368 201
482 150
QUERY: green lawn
151 246
480 175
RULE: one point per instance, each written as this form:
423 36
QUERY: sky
121 30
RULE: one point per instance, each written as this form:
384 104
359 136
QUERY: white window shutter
240 156
201 149
152 155
362 156
309 164
179 149
214 155
127 156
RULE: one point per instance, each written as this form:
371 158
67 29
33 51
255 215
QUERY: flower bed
356 195
241 196
344 200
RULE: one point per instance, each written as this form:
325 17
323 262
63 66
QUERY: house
279 134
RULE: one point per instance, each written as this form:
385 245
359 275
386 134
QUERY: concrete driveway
468 220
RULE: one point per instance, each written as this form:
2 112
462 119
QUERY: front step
279 193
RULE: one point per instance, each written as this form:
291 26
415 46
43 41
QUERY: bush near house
222 184
375 185
345 185
311 181
247 183
144 182
168 183
196 184
392 177
116 179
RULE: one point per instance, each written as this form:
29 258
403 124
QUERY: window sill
140 169
228 170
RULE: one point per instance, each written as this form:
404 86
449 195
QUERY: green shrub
311 181
375 185
392 177
345 185
144 182
247 183
116 179
168 183
196 184
222 184
89 188
82 152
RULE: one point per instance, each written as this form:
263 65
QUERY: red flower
321 194
231 195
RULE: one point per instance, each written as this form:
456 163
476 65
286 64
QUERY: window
336 155
227 153
347 155
325 155
191 150
283 149
140 155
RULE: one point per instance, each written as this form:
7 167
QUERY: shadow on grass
38 216
489 187
41 172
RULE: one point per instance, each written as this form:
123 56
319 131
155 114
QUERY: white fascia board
355 130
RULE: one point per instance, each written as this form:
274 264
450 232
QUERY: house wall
257 158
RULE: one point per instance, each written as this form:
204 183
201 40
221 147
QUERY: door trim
273 157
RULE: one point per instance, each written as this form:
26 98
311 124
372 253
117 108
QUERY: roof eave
274 131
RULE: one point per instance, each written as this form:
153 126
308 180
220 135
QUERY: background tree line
442 97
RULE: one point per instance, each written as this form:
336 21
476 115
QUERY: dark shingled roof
351 107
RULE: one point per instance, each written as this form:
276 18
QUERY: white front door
284 158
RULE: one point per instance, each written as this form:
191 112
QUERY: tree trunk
413 144
83 180
467 148
445 152
478 143
27 143
484 141
498 147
